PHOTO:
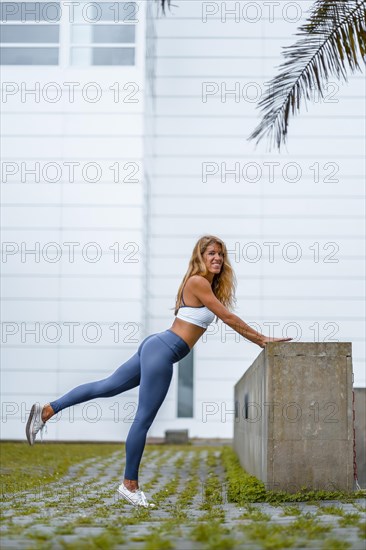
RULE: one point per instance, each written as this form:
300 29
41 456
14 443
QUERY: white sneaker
137 498
35 423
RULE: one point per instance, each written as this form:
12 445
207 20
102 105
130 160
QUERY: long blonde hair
223 284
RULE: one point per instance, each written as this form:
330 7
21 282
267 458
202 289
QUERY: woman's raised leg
126 377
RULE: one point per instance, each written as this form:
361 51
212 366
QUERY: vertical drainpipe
148 164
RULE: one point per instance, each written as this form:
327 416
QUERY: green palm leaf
333 40
163 3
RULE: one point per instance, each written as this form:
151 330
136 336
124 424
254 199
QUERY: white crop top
200 315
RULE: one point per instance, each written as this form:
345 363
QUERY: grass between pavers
175 494
291 510
208 528
335 544
345 519
362 529
160 536
24 467
107 540
275 537
243 487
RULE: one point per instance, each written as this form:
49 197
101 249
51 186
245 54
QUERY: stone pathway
83 510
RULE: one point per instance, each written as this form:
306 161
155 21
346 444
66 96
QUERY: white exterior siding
317 297
105 292
169 135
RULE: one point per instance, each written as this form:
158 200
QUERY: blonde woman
207 291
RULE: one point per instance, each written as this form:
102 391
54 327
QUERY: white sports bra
200 315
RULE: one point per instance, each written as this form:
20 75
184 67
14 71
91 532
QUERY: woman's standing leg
156 374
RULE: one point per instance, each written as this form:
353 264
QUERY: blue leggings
151 367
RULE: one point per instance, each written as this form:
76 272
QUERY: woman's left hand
264 341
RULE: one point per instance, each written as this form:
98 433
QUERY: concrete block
294 423
176 436
360 427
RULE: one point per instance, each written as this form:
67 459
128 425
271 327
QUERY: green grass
198 478
213 535
170 488
191 483
269 537
291 511
253 513
330 510
107 540
276 537
362 530
24 467
349 520
243 487
335 544
212 487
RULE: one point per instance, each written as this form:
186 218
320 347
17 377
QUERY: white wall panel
78 106
92 361
101 271
74 194
323 207
225 206
75 288
56 207
67 124
162 204
84 145
219 126
176 168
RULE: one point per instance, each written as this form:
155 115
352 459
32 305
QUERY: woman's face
213 258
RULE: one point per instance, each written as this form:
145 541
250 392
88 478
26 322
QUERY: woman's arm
201 288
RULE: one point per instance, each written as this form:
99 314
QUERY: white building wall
315 298
149 147
38 291
169 133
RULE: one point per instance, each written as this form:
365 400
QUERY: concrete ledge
293 423
360 428
176 436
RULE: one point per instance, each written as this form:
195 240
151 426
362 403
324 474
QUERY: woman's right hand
265 339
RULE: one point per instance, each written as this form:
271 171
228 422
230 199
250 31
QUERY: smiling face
213 258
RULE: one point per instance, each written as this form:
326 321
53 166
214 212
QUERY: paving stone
6 544
89 490
328 520
22 520
88 531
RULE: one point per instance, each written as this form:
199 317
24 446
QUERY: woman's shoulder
197 281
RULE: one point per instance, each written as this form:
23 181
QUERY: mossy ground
24 467
63 496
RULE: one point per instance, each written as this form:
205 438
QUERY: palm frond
163 3
333 39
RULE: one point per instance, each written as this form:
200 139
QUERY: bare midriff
188 331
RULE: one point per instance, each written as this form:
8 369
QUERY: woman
209 287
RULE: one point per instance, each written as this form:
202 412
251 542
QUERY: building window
185 387
93 33
104 33
30 33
